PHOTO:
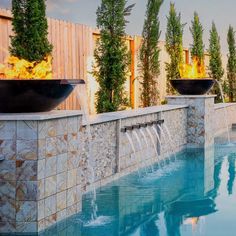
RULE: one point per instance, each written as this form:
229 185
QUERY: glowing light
16 68
195 70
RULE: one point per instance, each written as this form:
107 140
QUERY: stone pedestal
39 170
200 121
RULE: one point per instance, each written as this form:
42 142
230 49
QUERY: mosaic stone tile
50 186
27 130
71 178
61 201
26 190
61 181
62 163
61 144
8 170
26 211
27 149
8 190
8 149
50 205
26 227
26 170
7 211
51 166
7 130
51 147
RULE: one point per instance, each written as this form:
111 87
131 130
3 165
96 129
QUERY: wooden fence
73 49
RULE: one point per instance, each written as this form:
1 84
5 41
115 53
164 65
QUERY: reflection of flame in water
195 222
194 70
16 68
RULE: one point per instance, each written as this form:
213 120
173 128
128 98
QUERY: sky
84 12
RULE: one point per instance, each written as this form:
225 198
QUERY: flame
16 68
195 70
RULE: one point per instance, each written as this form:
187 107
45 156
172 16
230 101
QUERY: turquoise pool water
192 195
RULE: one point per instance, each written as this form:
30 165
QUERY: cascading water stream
158 136
170 139
132 146
164 137
83 99
152 139
225 110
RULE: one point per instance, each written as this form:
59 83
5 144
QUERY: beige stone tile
61 201
26 227
62 144
71 178
41 169
41 189
7 170
51 147
41 208
7 130
50 205
61 163
27 149
26 211
61 181
26 190
27 130
8 149
41 148
51 166
50 186
26 170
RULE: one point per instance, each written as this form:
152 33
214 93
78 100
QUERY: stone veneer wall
43 160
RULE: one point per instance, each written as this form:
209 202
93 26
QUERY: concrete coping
191 96
39 116
223 105
113 116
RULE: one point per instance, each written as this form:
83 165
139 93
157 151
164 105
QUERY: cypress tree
215 64
31 29
149 54
111 55
231 66
197 48
174 46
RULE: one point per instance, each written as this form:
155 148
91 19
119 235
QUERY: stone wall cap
39 116
120 115
191 96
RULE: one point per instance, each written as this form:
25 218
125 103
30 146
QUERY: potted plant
26 83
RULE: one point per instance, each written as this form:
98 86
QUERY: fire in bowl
192 86
20 96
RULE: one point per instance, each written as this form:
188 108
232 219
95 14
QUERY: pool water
194 194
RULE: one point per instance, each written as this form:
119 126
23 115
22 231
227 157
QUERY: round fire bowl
24 96
192 86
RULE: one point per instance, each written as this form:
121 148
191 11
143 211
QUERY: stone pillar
200 121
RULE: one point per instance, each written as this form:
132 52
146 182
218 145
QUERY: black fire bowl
25 96
192 86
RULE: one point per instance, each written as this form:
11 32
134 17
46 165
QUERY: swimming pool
192 194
